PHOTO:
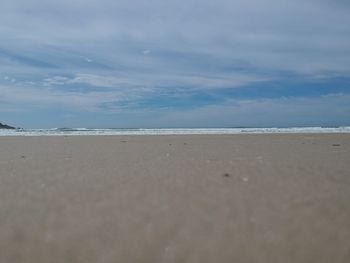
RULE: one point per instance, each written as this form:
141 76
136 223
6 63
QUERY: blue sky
159 63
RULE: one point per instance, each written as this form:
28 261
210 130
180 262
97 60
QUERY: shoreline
109 132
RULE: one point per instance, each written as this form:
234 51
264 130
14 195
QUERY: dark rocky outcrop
4 126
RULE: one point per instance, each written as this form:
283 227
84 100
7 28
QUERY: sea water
163 131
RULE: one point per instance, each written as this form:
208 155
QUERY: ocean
167 131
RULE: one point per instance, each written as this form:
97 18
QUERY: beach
175 198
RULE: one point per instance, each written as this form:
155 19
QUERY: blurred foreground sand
187 198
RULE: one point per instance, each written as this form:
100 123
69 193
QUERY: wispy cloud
330 110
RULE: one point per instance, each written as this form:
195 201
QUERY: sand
204 198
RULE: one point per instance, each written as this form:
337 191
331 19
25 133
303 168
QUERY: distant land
4 126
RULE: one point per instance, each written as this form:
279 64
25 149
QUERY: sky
160 63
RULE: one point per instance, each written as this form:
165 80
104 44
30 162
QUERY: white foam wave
86 131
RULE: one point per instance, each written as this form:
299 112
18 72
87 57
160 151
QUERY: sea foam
179 131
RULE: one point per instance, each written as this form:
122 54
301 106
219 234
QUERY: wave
168 131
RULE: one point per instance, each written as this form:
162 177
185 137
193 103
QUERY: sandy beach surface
187 198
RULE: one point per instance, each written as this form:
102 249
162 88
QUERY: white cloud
88 60
154 81
30 98
98 80
55 80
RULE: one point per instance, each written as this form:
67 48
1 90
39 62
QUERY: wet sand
188 198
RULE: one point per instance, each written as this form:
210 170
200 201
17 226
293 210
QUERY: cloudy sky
160 63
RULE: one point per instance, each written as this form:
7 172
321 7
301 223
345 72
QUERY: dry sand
208 198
